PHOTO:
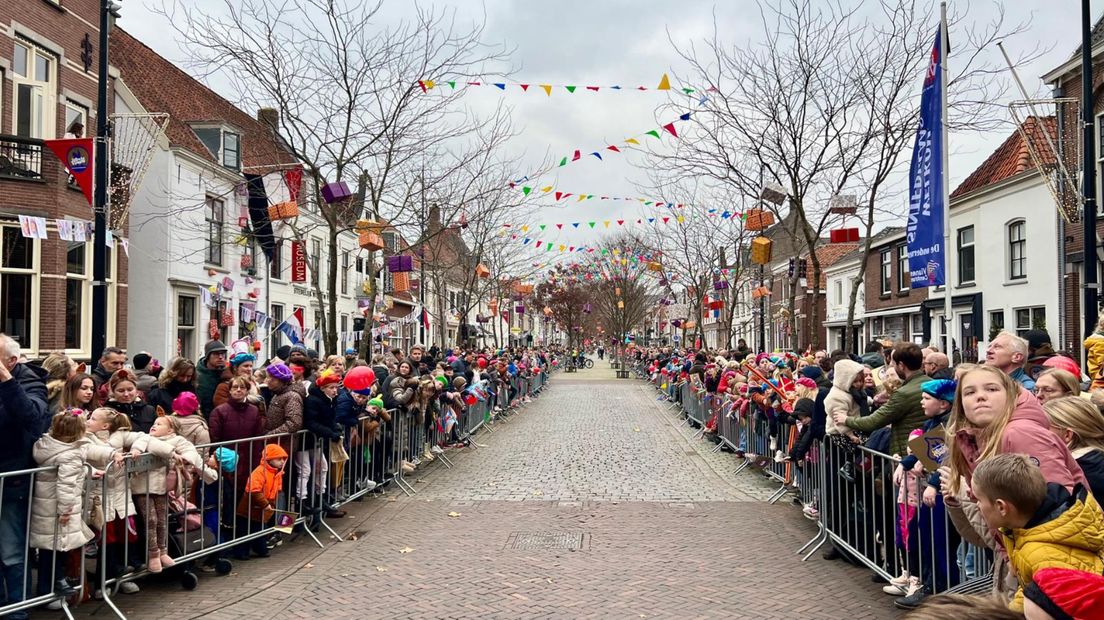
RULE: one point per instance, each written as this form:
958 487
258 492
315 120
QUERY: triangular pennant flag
570 89
613 148
546 188
654 133
631 141
542 226
688 90
620 222
666 219
606 222
574 224
548 247
594 88
563 162
684 117
582 197
576 157
670 127
526 190
679 218
500 85
525 228
525 87
429 84
571 248
567 194
664 83
639 221
539 242
562 247
651 220
526 242
598 155
547 89
591 224
559 226
452 85
422 84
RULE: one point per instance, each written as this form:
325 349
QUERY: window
1017 250
996 322
345 272
215 214
224 145
1030 318
838 291
390 242
966 255
17 280
276 265
186 326
277 316
34 75
887 266
217 312
76 119
316 258
75 287
904 279
916 324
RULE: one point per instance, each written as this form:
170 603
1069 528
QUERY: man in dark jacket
111 360
209 373
25 418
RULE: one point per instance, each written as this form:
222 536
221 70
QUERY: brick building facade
893 307
48 63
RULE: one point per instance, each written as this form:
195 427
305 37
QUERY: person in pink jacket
993 415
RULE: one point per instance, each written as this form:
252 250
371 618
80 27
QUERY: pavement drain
548 541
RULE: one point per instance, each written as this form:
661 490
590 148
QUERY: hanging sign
76 154
924 228
298 261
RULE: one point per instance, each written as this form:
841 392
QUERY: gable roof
828 255
1010 159
161 86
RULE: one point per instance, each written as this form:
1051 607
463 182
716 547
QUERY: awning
891 312
855 323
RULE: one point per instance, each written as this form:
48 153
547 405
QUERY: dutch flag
292 327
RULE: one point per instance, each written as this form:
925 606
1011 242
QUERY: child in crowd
151 488
109 428
1043 525
57 526
257 505
192 426
908 478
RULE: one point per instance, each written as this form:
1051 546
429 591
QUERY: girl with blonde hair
1079 424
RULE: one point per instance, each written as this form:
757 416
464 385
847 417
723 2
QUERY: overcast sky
626 42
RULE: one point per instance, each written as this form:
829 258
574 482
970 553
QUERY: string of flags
723 214
34 227
547 87
627 143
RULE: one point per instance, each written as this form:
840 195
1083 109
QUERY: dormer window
223 143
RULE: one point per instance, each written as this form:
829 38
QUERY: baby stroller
188 535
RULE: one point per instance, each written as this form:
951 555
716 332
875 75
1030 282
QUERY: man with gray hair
1008 352
24 418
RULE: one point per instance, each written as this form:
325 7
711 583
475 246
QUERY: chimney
433 226
269 117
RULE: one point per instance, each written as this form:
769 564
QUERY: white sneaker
773 443
128 587
906 590
54 604
416 462
901 580
436 449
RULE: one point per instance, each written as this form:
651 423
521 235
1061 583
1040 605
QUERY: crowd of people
1016 462
219 433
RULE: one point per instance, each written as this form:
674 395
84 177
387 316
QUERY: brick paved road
596 464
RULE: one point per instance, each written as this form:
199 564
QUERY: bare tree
349 104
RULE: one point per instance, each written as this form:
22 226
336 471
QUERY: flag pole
944 50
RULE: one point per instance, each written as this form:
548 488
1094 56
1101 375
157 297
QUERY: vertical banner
76 154
924 230
298 261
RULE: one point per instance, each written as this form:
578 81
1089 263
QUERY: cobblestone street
590 503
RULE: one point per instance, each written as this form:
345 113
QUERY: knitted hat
214 346
227 459
1061 362
283 352
376 402
242 358
142 360
941 389
806 382
812 372
761 357
279 371
327 377
186 404
1067 594
1036 338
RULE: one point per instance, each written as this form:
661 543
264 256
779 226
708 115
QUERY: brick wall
51 27
875 299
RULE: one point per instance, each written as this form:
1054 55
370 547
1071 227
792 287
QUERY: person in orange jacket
257 505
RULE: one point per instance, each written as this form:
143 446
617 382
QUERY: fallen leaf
549 580
454 514
537 493
381 569
405 550
636 430
308 565
352 536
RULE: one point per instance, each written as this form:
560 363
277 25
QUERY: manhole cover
548 541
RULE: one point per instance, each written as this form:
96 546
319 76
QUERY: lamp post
108 10
1088 172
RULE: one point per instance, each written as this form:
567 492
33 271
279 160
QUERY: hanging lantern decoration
493 306
845 206
620 304
716 304
400 282
617 291
655 266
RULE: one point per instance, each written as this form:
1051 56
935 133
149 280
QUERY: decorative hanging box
283 211
400 263
336 192
758 219
761 250
720 285
519 309
400 282
655 266
482 271
370 241
844 235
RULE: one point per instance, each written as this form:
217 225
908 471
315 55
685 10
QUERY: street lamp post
108 10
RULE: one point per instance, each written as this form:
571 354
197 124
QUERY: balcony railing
20 158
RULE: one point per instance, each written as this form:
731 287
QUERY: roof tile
1010 159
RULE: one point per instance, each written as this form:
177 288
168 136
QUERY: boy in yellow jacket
1042 525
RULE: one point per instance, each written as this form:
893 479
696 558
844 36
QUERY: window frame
213 225
885 259
276 313
1016 246
904 278
81 110
34 274
276 263
344 272
220 154
961 248
48 89
188 351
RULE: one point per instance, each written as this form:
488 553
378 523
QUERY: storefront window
17 275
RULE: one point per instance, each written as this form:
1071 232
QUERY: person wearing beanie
282 355
817 375
241 365
1064 594
210 371
147 380
284 413
193 427
320 418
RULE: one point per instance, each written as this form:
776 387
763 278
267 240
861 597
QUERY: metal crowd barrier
848 490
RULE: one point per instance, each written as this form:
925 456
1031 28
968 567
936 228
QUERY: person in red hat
1064 594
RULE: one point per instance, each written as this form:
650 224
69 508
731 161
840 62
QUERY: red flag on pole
76 154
